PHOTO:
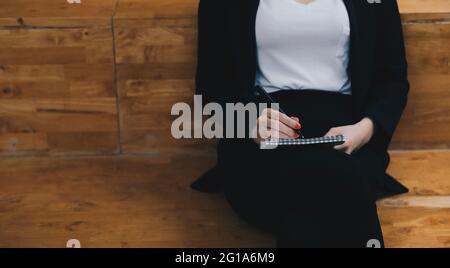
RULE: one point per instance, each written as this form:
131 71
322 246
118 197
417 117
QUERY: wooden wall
57 84
101 77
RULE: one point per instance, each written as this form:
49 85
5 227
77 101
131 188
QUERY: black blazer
227 64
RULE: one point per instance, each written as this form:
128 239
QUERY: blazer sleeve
388 97
211 54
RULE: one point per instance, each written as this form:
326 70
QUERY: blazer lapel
241 26
355 53
354 32
252 25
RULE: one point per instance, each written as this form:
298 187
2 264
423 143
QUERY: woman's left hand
356 135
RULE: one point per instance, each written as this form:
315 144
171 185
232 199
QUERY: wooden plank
30 38
23 142
56 89
55 9
425 173
51 89
417 201
19 116
413 10
25 56
53 23
156 9
415 227
9 73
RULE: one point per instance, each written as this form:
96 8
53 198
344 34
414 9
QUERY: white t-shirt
303 46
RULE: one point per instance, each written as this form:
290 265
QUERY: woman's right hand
274 124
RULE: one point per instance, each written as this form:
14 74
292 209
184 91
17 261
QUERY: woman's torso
303 46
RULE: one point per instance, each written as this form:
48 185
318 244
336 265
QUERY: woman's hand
356 135
276 125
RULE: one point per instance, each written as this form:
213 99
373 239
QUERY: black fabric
378 70
309 196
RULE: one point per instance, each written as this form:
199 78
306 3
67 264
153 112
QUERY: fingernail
298 126
296 136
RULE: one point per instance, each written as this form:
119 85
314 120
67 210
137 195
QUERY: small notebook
329 141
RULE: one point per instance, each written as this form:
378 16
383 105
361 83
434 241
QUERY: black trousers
308 196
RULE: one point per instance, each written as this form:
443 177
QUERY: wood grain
57 84
415 227
156 9
426 121
56 9
414 10
46 201
154 73
425 173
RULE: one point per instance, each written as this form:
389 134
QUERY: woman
336 67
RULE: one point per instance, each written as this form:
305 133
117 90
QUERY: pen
269 98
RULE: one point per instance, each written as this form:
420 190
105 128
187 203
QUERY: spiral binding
311 141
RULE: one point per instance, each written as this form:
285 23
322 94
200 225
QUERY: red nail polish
298 126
